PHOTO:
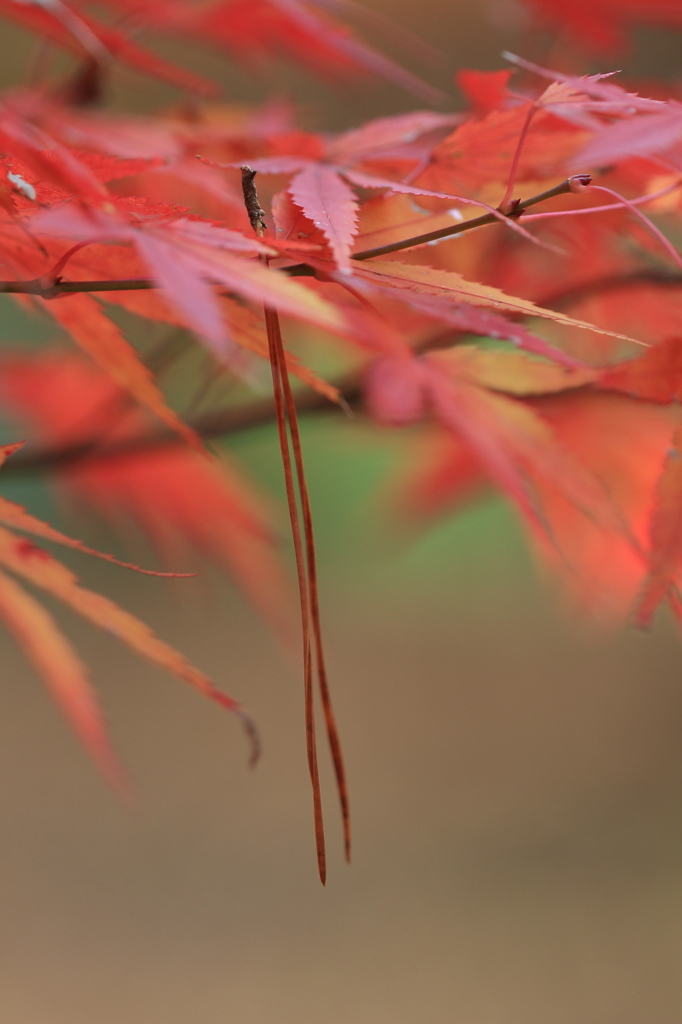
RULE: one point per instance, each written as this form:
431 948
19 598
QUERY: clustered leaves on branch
408 243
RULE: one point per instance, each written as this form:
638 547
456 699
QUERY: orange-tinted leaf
405 277
656 376
481 152
511 438
393 217
62 671
513 372
42 570
665 554
623 443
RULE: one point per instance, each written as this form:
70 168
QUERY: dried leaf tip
253 207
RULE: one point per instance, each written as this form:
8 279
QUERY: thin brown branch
209 425
49 289
286 416
262 411
302 538
456 229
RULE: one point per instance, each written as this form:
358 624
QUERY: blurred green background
516 780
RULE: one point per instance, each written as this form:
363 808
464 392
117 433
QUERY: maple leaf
47 158
507 436
401 279
318 186
650 134
464 316
480 152
331 205
612 98
510 438
382 141
593 533
605 570
643 126
243 326
39 568
515 373
17 517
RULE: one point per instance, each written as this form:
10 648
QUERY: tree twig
516 210
262 411
48 289
209 425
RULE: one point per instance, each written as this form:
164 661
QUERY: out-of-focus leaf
82 317
655 377
62 671
42 570
665 552
405 277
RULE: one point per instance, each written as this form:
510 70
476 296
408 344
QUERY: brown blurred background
516 781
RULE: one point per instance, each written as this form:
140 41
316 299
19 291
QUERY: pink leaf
384 133
331 205
591 85
639 136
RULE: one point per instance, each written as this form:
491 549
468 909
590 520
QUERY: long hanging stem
325 696
283 417
306 562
